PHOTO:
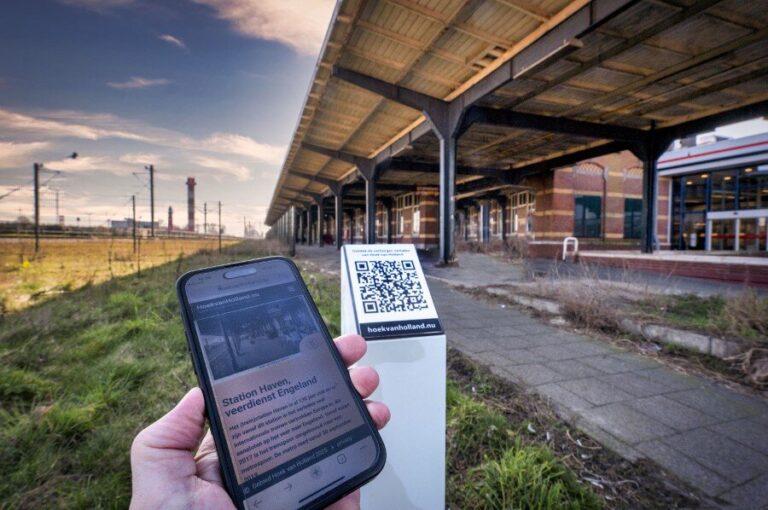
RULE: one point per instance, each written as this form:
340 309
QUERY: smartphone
290 429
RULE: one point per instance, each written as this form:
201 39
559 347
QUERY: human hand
168 474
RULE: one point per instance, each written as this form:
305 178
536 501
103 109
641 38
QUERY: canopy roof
627 65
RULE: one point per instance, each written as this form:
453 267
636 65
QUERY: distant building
128 223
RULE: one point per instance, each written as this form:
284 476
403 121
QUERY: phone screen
293 427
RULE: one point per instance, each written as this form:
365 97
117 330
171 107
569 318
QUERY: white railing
566 242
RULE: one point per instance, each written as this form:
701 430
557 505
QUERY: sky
210 89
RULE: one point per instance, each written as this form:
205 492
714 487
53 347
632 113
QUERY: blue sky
203 88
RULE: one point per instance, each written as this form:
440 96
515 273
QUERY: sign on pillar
385 298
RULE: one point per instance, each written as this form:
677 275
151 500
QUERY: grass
744 316
82 371
490 467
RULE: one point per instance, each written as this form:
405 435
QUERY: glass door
723 235
752 233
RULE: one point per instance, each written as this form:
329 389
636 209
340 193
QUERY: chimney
191 204
170 218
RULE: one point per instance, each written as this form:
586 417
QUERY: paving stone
753 494
517 356
611 364
672 413
638 360
513 342
596 391
573 369
533 374
724 406
749 432
716 452
564 351
670 378
474 345
687 469
636 385
505 331
625 423
562 397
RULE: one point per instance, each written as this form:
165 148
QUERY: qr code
389 286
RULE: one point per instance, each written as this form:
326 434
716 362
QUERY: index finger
351 348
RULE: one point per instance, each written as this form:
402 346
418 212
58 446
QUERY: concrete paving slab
516 357
752 494
724 456
749 432
637 385
533 374
563 398
684 467
672 413
714 402
596 391
574 369
625 423
669 377
612 364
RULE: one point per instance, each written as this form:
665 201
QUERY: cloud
90 164
223 167
141 158
173 40
66 124
243 146
137 82
299 24
90 126
16 154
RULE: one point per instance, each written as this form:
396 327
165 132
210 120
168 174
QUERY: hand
168 474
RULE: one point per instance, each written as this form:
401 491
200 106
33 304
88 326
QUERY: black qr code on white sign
389 286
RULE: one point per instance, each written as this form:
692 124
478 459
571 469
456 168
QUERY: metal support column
292 231
485 221
338 219
447 203
648 151
320 241
502 201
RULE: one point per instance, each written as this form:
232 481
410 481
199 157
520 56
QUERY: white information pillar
385 298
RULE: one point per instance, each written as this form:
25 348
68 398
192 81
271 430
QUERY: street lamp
37 167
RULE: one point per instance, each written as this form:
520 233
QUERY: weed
474 430
525 477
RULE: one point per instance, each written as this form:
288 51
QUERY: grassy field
82 371
67 264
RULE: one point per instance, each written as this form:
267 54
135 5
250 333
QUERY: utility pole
151 200
219 226
133 201
245 228
36 170
57 205
205 218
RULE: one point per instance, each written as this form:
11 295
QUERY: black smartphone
290 429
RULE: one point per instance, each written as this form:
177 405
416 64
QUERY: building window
416 221
633 212
587 216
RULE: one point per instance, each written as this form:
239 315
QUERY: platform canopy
535 85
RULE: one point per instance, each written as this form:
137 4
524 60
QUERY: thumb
180 429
